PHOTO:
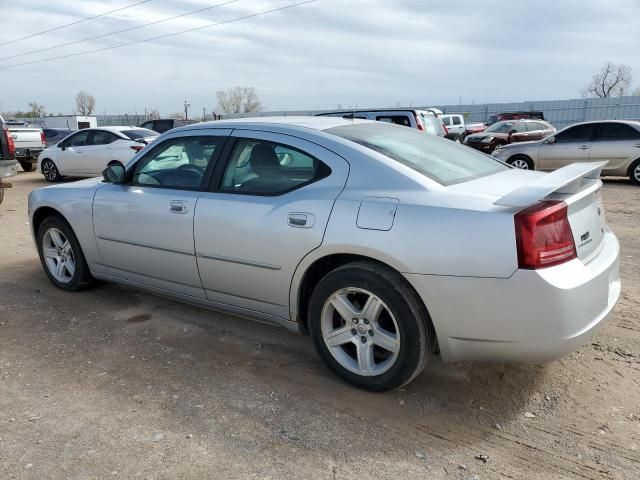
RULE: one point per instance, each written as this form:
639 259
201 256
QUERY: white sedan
88 152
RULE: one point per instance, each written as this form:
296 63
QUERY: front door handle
178 206
584 147
301 220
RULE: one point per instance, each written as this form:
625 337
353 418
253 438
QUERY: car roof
314 123
635 123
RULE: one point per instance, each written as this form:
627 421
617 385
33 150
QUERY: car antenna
353 117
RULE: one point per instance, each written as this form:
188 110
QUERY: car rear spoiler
569 179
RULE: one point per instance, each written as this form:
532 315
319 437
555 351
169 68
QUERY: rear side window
395 119
102 137
260 167
139 133
579 133
441 160
617 131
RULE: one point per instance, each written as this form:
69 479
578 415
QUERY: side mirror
114 174
551 140
62 147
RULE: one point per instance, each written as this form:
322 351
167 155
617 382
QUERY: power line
150 39
118 31
76 22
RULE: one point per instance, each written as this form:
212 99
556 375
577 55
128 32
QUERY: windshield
439 159
500 127
139 133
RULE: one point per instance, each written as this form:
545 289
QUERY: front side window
519 127
579 133
457 121
438 159
177 163
617 131
500 127
261 167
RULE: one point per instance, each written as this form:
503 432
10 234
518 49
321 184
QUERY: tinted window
446 121
177 163
519 127
397 119
102 137
617 131
139 133
148 125
579 133
441 160
457 121
77 140
162 126
266 168
500 127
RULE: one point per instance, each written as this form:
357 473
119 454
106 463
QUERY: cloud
360 52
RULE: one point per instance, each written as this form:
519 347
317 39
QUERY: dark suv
165 124
503 133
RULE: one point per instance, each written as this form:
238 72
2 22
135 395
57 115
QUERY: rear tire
50 171
634 172
61 256
28 166
521 161
389 337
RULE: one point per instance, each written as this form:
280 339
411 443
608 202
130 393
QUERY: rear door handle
178 206
301 220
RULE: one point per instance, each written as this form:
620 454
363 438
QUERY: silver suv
616 141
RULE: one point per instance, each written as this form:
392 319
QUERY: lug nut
363 339
354 320
371 332
353 331
366 321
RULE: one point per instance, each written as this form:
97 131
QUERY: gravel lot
113 383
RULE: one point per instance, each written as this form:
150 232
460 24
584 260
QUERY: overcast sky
348 52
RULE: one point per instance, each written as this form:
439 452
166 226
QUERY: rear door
616 143
267 208
518 132
98 151
536 131
571 145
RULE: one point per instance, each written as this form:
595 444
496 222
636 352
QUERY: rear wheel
520 161
61 255
369 327
634 172
28 166
50 171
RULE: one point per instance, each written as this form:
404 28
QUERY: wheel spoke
66 247
344 307
60 270
50 252
339 336
372 309
385 339
56 238
366 363
70 266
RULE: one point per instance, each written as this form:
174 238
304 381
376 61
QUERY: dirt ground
113 383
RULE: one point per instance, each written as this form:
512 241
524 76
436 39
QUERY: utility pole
204 114
187 106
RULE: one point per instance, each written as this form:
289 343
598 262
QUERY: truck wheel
50 171
28 166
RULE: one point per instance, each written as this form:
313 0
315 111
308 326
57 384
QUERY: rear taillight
137 148
10 145
42 139
419 123
543 236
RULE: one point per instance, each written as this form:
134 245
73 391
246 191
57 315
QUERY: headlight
487 140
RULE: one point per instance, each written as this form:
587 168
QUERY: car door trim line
249 263
145 245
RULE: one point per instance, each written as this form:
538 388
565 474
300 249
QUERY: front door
571 145
267 209
144 229
71 154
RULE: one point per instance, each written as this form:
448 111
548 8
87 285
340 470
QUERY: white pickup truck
458 128
29 141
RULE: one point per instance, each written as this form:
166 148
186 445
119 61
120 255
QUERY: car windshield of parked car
139 133
500 127
442 160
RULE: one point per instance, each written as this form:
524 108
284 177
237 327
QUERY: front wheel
634 172
50 171
369 327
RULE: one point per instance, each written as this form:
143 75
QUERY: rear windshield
139 133
442 160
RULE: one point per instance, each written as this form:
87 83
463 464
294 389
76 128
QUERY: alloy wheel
58 255
360 331
521 164
49 171
636 173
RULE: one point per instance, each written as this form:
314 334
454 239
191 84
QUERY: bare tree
612 81
239 100
176 115
153 114
85 103
37 110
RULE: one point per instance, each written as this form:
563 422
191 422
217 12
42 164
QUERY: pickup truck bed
29 142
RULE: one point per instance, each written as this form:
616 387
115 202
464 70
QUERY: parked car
8 164
55 135
29 141
88 152
500 117
502 133
365 235
424 120
458 129
614 141
166 124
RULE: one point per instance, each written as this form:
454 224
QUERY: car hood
86 184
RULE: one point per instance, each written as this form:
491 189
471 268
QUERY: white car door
70 158
266 210
144 228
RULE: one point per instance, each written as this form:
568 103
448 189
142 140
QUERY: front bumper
535 316
483 147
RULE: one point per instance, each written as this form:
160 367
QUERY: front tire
50 171
634 172
28 166
369 327
61 255
520 161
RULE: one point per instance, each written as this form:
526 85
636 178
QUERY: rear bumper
535 316
28 154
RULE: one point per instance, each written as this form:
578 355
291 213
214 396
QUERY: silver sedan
387 245
614 141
